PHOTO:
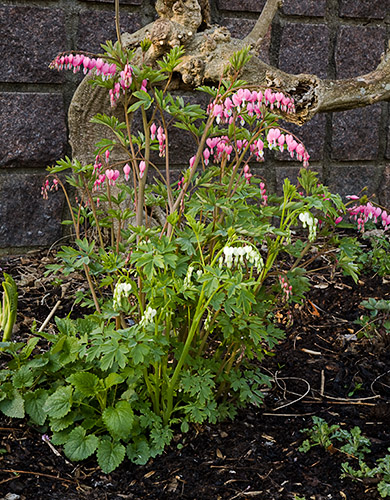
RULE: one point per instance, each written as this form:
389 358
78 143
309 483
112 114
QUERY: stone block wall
331 38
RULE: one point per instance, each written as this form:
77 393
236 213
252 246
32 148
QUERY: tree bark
207 53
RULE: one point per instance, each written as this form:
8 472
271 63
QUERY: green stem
142 181
93 207
77 229
229 366
309 244
207 333
151 392
172 383
117 24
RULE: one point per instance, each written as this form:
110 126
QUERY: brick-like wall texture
331 38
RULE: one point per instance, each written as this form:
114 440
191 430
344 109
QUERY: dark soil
320 369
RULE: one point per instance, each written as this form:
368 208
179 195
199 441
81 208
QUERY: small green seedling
321 434
378 323
9 307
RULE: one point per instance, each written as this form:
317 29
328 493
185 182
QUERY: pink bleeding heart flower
143 86
206 155
142 167
153 129
126 171
110 175
192 161
115 176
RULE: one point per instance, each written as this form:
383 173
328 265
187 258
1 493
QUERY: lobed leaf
79 446
60 402
110 455
119 419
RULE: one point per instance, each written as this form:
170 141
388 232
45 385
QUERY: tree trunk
207 51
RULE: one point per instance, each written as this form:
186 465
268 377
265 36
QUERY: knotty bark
207 51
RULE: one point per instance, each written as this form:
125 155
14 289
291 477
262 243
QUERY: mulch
319 370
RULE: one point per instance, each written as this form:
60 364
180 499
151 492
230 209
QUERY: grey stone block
32 129
238 27
371 9
96 27
358 50
30 39
242 5
355 133
384 188
26 220
304 49
351 179
388 143
304 7
241 27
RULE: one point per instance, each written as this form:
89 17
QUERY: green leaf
138 353
60 437
34 402
66 326
113 379
23 377
113 352
172 59
14 407
384 489
28 349
134 106
85 382
59 424
60 402
110 455
119 419
79 446
184 426
139 452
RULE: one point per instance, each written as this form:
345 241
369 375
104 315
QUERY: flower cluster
247 174
47 187
110 175
363 213
263 192
238 255
277 140
77 62
161 141
311 222
251 103
80 61
221 147
187 279
286 288
159 134
148 316
122 290
126 79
